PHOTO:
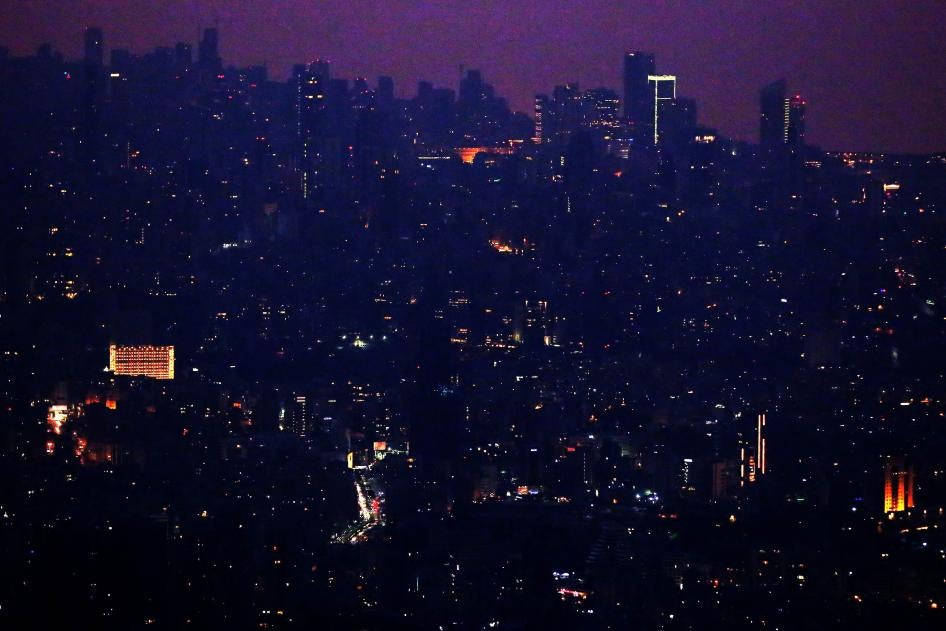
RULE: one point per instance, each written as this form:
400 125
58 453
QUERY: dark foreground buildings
323 352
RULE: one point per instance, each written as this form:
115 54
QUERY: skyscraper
760 443
638 67
94 47
795 132
299 419
601 109
773 110
752 464
565 111
311 108
782 139
541 107
208 52
385 93
662 98
898 486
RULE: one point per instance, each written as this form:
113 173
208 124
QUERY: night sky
873 71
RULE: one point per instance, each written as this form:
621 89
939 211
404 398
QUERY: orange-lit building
468 154
752 465
898 486
156 362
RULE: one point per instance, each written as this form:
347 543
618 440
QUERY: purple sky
873 71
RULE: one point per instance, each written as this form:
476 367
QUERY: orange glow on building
468 154
155 362
752 458
760 444
499 246
56 417
898 486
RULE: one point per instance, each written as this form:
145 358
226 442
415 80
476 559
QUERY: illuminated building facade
601 109
56 417
468 154
663 95
155 362
760 443
782 118
299 420
752 464
898 486
541 106
795 129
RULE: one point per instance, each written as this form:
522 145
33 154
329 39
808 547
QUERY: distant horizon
874 109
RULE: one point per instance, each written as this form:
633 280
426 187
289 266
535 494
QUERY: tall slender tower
208 51
541 107
663 96
773 115
795 128
311 115
760 443
638 68
752 458
94 47
781 119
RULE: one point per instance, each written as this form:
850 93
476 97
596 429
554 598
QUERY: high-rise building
208 51
94 47
385 93
473 91
663 97
782 118
299 418
760 443
601 109
638 68
752 464
898 486
773 109
541 107
311 113
795 136
564 113
155 362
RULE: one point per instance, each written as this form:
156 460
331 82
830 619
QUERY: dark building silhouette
773 116
638 93
385 93
94 47
208 52
311 113
183 55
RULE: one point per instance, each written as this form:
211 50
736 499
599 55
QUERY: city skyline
890 99
599 336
